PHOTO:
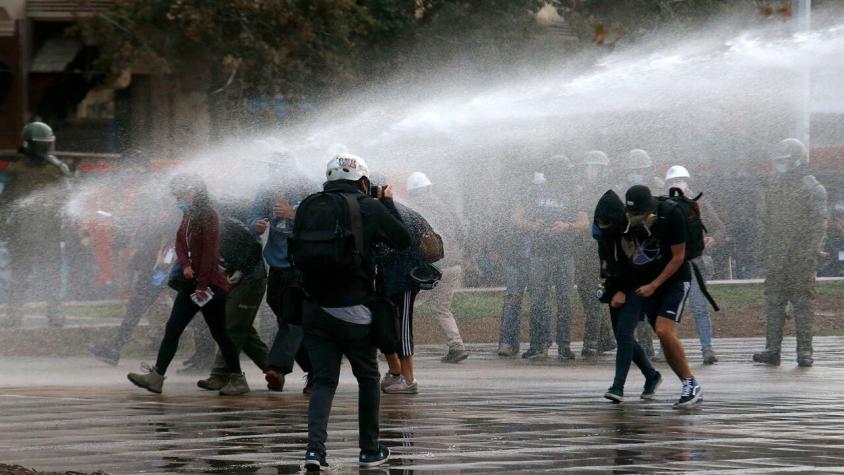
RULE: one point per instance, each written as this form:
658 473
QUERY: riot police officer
794 215
33 229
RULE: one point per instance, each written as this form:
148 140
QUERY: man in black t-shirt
658 277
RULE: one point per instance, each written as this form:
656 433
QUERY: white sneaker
402 387
389 380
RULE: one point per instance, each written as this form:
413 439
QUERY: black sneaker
315 461
374 458
614 394
565 354
651 386
692 394
533 353
768 357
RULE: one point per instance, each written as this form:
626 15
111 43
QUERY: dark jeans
183 312
328 339
624 321
288 343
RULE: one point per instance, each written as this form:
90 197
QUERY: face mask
781 167
539 179
682 185
183 206
635 179
640 221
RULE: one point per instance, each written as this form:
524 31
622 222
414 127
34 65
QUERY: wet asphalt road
484 416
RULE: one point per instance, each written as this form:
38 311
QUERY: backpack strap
702 285
355 223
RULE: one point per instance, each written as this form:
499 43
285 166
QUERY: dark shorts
668 302
404 305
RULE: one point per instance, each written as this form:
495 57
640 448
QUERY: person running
659 279
201 286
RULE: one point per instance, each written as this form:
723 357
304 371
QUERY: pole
803 15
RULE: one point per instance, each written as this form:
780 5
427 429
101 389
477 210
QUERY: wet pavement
484 416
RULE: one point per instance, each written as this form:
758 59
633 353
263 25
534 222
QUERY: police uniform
795 214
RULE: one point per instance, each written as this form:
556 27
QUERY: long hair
200 208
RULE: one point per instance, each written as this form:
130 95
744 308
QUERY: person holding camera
201 286
332 245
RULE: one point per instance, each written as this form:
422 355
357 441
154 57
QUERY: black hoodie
613 261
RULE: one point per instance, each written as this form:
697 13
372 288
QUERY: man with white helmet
334 234
450 227
678 177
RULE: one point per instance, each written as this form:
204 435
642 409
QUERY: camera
376 192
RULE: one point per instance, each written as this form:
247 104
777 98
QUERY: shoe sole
652 395
374 464
402 391
142 386
614 398
457 360
698 399
313 467
208 388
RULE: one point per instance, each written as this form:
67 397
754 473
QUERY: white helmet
677 171
417 181
346 167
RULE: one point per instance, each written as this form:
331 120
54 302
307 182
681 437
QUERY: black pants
624 322
328 339
288 344
183 312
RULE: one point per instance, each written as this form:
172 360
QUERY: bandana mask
640 221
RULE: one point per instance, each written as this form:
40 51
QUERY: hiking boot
373 459
309 385
534 353
455 356
692 394
709 356
565 354
507 351
389 379
275 380
605 346
589 352
236 385
215 382
768 357
614 394
651 385
402 387
805 360
105 353
315 461
150 380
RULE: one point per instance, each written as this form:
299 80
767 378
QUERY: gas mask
640 222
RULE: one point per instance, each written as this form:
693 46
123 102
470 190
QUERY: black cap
638 199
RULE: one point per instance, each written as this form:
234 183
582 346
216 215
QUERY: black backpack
327 235
695 230
239 250
690 208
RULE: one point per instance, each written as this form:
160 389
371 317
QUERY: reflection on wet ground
485 416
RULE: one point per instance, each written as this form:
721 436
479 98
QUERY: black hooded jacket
610 209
